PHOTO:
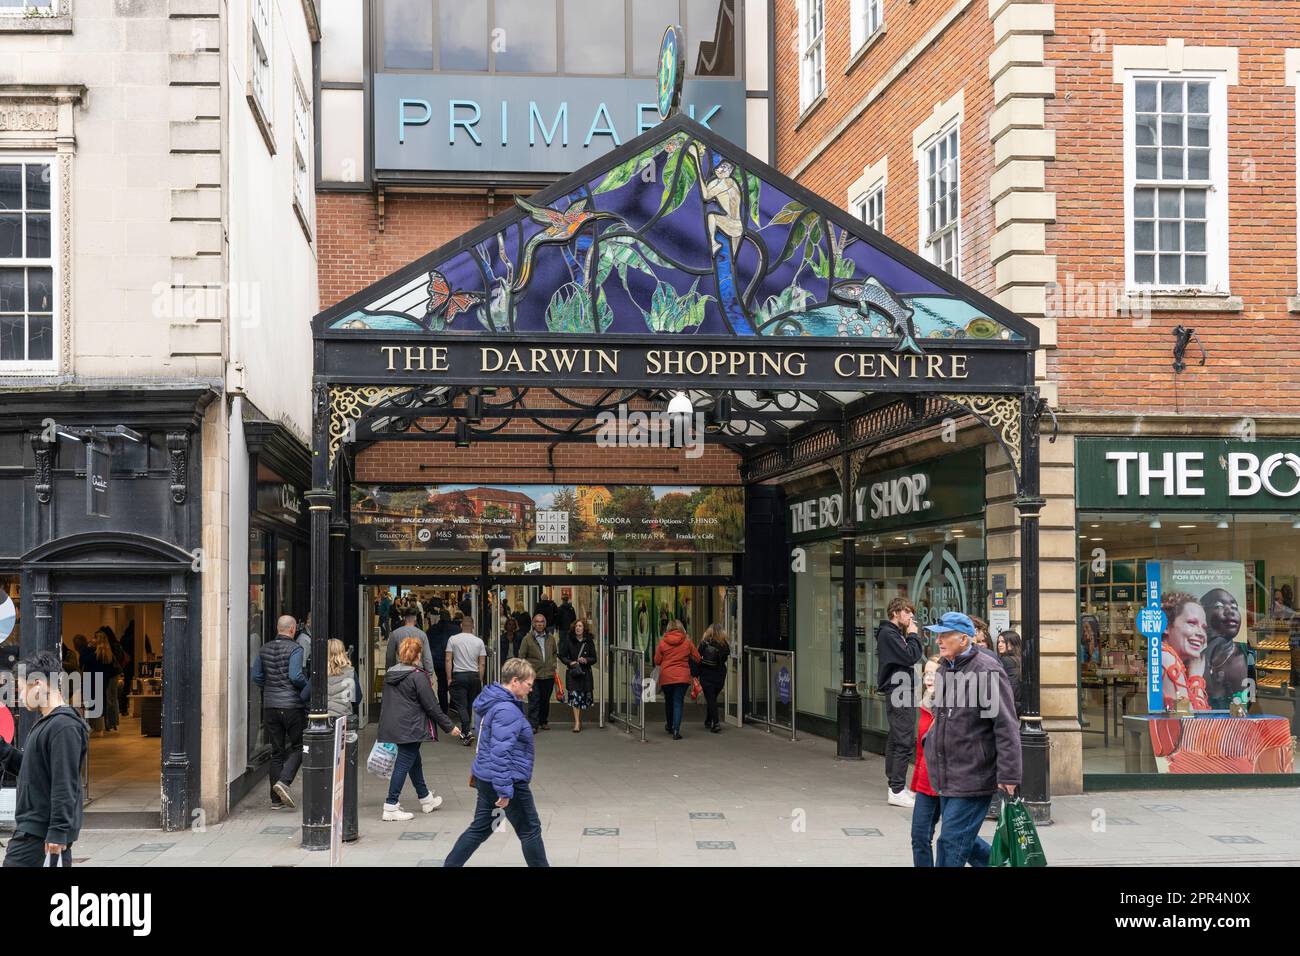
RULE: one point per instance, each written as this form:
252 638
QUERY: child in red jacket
925 813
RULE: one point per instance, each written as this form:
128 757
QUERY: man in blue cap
973 747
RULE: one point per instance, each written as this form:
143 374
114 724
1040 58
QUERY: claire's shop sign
529 124
938 490
1192 475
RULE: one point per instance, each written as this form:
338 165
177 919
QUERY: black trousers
712 680
900 747
440 671
27 850
539 701
465 686
284 725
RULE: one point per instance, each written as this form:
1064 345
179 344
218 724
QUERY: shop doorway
117 651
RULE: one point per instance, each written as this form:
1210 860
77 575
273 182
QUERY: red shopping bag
695 688
559 690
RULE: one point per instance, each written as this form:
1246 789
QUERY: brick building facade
1123 175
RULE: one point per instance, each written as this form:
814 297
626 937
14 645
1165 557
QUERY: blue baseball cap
953 621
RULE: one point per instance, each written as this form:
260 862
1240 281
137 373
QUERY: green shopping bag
1016 841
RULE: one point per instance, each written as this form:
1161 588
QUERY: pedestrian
466 666
509 640
50 798
98 664
344 689
676 658
503 767
404 720
303 637
408 629
442 632
983 640
278 670
541 650
565 616
1009 654
382 610
972 750
898 649
925 813
714 651
546 607
578 654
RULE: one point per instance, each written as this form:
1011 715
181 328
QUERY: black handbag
576 669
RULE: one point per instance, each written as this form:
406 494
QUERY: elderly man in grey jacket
973 747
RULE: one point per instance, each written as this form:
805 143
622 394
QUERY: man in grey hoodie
50 796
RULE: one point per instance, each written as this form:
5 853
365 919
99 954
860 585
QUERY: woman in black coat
405 715
578 653
1009 643
714 651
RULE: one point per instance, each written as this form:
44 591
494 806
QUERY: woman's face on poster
1223 616
1186 634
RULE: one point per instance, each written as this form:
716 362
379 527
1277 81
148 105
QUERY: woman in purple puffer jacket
503 766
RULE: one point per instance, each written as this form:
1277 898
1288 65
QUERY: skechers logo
75 909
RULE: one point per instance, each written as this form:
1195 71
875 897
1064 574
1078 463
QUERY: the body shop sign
1188 475
938 490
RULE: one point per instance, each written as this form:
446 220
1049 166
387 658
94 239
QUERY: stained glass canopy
678 233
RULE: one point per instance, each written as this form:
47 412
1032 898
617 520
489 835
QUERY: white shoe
903 798
430 803
393 811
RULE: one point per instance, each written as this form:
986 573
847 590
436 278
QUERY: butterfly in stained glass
445 304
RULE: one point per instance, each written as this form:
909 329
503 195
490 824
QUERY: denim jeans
521 811
959 840
674 696
925 817
408 763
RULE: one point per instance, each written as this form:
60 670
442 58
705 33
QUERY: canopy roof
677 233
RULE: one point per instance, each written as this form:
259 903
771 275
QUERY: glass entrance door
730 598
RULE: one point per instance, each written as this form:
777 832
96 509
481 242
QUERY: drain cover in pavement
418 835
280 831
714 845
1163 808
708 815
153 847
1236 838
429 863
861 831
600 831
1122 822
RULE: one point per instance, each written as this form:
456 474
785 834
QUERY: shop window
941 201
260 53
812 52
711 37
408 33
303 192
1235 637
592 31
28 314
1176 172
257 631
10 606
463 36
650 18
527 40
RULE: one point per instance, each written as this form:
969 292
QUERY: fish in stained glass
870 295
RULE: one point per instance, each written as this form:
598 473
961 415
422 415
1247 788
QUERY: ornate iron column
1034 744
848 703
176 694
318 740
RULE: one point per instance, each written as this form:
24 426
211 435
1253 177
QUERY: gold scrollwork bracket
348 403
1001 413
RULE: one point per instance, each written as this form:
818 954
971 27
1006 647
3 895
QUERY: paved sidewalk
742 797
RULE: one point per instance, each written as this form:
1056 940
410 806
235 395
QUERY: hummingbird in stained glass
871 294
561 227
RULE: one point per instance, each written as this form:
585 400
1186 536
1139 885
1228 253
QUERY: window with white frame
865 18
27 8
1176 171
260 58
302 181
941 201
812 50
871 207
28 195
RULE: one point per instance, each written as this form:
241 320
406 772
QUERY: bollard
350 747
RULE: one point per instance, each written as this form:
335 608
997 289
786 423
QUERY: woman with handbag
578 654
409 707
676 658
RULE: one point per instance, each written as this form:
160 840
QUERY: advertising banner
336 793
542 518
1204 645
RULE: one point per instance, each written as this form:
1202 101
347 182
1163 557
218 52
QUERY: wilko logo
76 909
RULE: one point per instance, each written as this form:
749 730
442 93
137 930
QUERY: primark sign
518 124
1190 475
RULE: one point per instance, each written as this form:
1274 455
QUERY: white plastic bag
382 759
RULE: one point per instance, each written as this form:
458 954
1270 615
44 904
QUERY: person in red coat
925 812
676 658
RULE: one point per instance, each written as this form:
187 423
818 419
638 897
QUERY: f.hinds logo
77 909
